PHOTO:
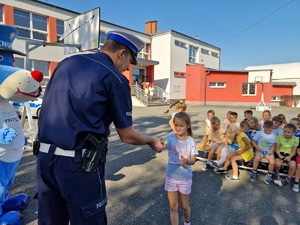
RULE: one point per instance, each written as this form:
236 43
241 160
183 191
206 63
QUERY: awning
146 62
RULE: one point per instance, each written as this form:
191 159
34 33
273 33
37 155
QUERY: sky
249 33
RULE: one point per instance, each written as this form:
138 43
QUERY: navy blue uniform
85 95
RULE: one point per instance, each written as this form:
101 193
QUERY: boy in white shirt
263 142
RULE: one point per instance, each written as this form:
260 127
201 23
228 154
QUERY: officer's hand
7 135
157 144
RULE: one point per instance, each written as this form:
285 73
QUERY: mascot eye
1 57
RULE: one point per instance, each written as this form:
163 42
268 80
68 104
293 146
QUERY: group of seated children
254 140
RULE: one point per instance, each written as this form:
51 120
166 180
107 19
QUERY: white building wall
173 58
160 51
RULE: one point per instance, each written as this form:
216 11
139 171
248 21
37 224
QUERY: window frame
248 88
193 55
205 51
180 44
29 29
217 85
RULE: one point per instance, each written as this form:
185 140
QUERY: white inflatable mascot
15 85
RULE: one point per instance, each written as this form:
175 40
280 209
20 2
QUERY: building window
42 66
215 54
193 54
205 51
102 38
31 25
143 54
180 44
217 84
179 74
60 29
1 13
249 89
276 98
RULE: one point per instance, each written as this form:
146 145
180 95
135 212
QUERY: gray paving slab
135 181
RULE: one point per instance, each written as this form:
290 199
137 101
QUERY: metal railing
139 93
159 95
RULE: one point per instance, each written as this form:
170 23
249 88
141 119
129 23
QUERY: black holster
95 154
36 147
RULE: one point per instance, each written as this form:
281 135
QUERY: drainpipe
205 86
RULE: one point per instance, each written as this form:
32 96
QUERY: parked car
35 107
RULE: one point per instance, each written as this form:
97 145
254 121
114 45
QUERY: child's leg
210 154
297 173
228 159
271 160
295 187
292 169
185 201
278 163
173 201
234 164
257 158
224 152
219 151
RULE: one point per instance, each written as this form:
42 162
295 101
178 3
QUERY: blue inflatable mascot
15 85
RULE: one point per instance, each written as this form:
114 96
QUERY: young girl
284 122
226 121
245 152
182 154
286 147
180 106
210 114
266 115
253 127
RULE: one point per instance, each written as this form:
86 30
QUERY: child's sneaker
295 188
276 179
284 182
220 170
268 179
206 166
214 165
189 223
253 176
231 178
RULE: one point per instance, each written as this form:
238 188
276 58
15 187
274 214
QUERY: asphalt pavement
135 181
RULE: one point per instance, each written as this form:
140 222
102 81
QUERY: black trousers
67 194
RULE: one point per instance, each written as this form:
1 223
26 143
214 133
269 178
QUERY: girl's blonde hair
183 116
254 120
179 105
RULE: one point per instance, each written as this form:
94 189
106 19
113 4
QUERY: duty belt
59 151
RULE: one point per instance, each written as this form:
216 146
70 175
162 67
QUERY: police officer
86 93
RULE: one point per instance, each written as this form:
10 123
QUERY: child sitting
226 121
263 143
296 122
253 123
266 115
277 122
216 134
247 114
231 132
232 145
245 152
295 187
210 114
284 122
286 146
